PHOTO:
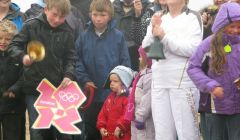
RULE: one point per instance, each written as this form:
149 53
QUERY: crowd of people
106 47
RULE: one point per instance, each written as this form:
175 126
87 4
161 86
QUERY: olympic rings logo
68 97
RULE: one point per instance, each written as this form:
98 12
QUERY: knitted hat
125 74
143 54
227 13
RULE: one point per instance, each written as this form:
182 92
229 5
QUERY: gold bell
212 10
36 51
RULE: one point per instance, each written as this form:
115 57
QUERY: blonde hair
8 26
64 6
217 52
102 6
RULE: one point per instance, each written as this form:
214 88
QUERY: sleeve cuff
211 85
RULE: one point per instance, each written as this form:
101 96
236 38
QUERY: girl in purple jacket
223 50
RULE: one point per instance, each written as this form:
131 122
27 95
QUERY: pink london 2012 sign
59 107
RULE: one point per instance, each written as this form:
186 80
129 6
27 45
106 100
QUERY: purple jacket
230 103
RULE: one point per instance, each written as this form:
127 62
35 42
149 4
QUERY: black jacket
59 58
10 71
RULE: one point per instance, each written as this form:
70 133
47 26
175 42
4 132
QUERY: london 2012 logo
58 107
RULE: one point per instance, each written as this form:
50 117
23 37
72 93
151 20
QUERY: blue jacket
98 55
15 16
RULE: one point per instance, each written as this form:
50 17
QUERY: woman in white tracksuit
174 96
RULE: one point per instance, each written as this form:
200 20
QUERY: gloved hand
139 125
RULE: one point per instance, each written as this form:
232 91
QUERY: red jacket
112 116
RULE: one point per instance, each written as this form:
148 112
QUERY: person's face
175 2
5 3
238 1
115 83
233 28
54 17
100 19
5 39
219 2
162 2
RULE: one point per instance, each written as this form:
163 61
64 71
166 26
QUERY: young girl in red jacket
111 122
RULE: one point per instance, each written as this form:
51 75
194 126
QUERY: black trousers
89 130
12 126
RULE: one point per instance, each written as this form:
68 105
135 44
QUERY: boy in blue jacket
99 49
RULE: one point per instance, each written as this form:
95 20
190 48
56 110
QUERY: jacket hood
14 7
43 18
227 13
14 12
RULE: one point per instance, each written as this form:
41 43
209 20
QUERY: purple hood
227 13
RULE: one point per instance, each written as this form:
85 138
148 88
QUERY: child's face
115 83
54 17
233 28
5 39
219 2
100 20
5 3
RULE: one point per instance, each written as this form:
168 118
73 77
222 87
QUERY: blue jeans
223 127
36 134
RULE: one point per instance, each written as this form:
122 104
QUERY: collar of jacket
43 18
184 9
14 11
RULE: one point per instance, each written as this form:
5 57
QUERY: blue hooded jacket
98 55
15 16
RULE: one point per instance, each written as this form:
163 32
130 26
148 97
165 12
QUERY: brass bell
156 50
212 10
36 51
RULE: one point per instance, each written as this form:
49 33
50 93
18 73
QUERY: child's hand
207 19
65 82
90 84
217 92
138 7
104 132
139 125
27 60
117 133
9 94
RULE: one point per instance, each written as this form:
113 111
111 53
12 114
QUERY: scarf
129 114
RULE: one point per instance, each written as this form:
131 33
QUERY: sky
193 4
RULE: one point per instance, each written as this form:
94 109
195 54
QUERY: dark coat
10 71
98 55
59 58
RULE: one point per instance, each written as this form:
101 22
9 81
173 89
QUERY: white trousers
174 113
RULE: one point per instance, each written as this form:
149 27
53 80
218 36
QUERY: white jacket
183 34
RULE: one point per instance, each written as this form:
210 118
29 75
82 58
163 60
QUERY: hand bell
36 50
